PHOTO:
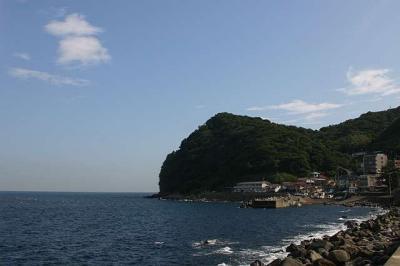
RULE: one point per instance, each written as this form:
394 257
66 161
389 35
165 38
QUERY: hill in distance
230 148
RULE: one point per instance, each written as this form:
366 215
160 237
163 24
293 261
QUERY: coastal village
318 185
371 242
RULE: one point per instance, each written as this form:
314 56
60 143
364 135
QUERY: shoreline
367 241
317 231
354 201
371 241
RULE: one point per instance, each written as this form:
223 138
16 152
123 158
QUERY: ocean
126 228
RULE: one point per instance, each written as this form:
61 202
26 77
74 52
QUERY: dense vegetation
356 135
229 148
389 139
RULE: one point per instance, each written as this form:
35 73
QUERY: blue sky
94 96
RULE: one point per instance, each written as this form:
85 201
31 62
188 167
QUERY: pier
275 202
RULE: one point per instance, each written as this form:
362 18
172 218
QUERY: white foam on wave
371 215
212 242
213 247
224 251
265 254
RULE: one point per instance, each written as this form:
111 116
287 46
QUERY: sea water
126 228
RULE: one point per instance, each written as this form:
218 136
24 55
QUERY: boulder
359 262
291 262
296 251
323 262
291 247
351 249
305 243
313 256
318 243
337 237
365 253
276 262
348 241
323 252
370 224
256 263
380 246
365 233
351 224
339 256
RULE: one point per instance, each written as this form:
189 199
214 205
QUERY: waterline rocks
371 242
257 263
339 256
289 261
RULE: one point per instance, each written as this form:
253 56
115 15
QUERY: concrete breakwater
273 202
369 243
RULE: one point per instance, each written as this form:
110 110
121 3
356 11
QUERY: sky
94 96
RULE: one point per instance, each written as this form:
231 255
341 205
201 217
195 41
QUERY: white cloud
311 119
370 81
78 42
74 24
83 49
257 108
314 116
298 107
44 76
23 56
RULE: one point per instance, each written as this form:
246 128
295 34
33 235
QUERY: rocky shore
369 243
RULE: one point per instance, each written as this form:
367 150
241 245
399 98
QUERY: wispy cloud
257 108
306 120
54 11
370 81
314 116
23 73
23 56
59 12
297 107
200 106
79 43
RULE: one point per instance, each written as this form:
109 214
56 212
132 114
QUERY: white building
367 181
315 174
373 163
256 186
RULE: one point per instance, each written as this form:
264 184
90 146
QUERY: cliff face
229 148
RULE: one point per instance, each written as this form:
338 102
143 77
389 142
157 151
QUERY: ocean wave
224 251
213 242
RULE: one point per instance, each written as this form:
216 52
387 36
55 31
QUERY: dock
274 203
